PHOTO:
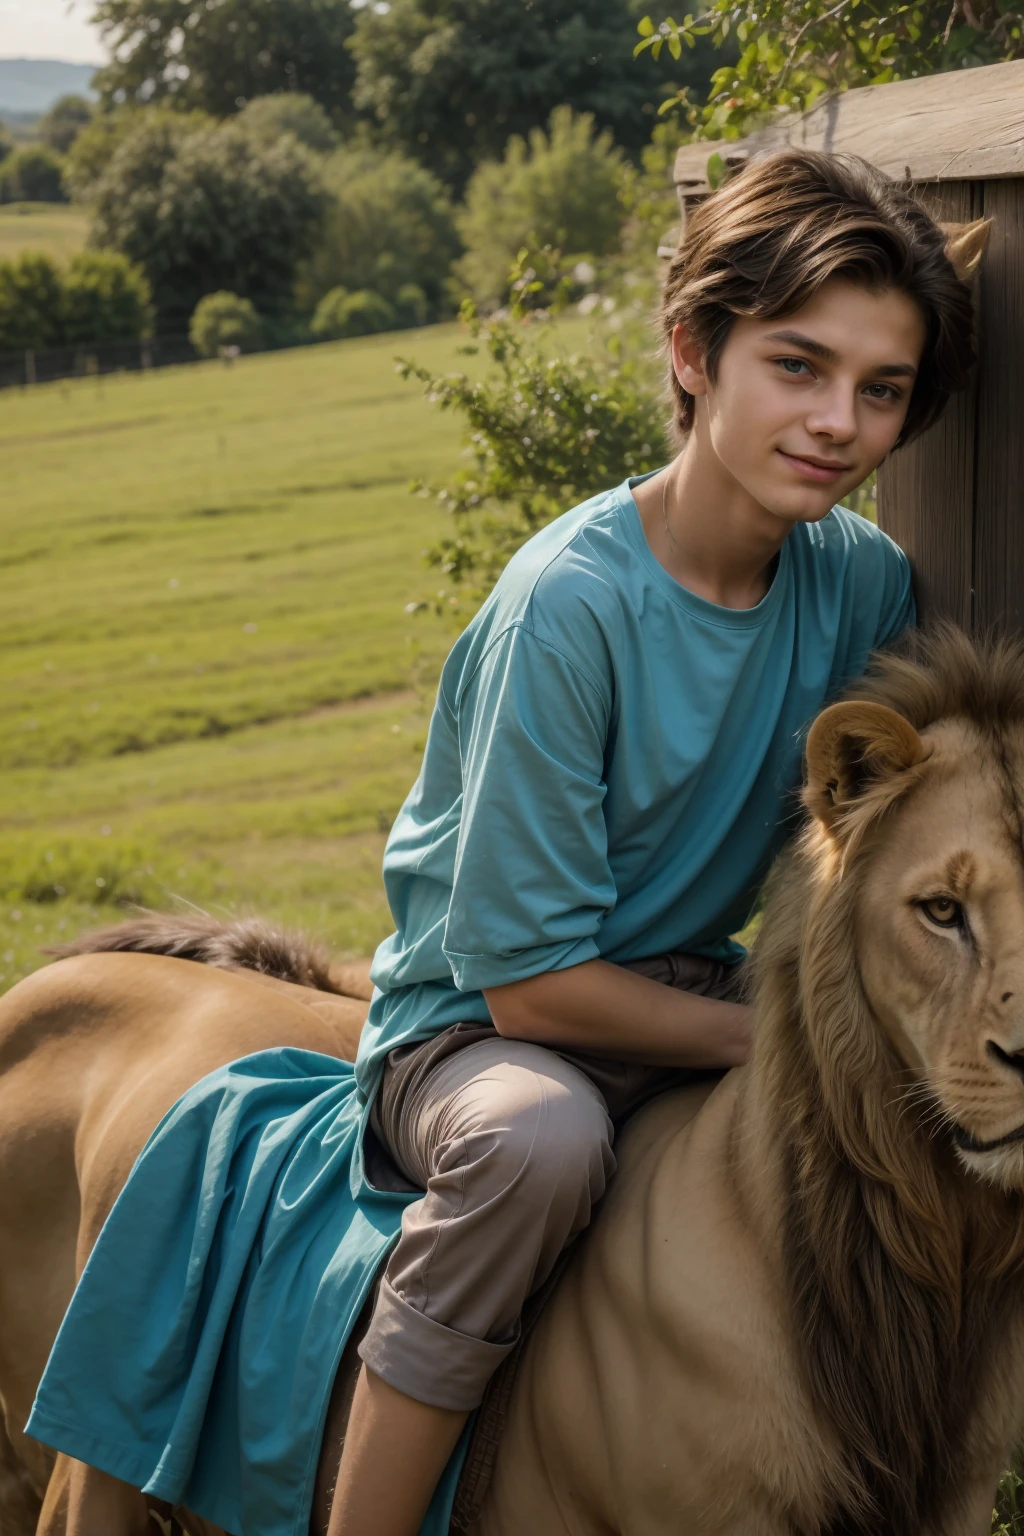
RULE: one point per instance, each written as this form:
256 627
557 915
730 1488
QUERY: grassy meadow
210 691
56 228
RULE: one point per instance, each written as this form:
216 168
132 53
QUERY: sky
49 29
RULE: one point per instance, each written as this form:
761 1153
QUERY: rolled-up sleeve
532 880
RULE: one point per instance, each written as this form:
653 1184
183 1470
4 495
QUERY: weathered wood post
955 499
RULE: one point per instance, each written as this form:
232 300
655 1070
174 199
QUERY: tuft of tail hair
250 944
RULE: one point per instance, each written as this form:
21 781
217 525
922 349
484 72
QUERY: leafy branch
793 51
545 431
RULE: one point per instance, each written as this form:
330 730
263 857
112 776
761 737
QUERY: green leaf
716 171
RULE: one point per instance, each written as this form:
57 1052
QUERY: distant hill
33 85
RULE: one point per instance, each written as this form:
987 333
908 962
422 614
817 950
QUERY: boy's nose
835 417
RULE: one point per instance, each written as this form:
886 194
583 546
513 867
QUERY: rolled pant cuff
424 1359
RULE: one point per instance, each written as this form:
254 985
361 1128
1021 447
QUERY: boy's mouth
821 471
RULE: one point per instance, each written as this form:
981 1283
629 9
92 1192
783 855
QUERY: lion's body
801 1310
93 1052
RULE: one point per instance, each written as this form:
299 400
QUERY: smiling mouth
965 1142
816 469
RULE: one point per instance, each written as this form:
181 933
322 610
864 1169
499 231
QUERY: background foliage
224 320
448 81
220 56
566 188
388 223
32 173
60 127
99 296
203 209
792 51
544 430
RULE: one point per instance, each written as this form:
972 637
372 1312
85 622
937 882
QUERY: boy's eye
792 365
883 392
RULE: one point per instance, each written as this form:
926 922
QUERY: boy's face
804 407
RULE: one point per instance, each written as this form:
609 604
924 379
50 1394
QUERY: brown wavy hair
763 244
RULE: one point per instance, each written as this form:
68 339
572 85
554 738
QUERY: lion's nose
1012 1059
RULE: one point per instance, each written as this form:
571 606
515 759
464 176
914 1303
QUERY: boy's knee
557 1138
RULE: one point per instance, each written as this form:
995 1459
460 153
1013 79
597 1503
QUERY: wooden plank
999 515
926 490
967 125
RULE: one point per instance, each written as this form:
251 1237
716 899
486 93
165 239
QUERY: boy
608 769
607 776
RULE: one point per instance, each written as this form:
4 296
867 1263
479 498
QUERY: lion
800 1311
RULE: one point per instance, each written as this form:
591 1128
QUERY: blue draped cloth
197 1357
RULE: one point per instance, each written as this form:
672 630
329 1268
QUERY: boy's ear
688 362
965 246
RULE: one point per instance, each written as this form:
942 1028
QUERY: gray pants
512 1143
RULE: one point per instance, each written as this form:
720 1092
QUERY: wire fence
18 370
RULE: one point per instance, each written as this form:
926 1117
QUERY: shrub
340 314
389 223
32 174
270 117
60 127
106 298
567 188
545 431
224 320
100 297
31 303
208 209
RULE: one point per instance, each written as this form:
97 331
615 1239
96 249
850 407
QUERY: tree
448 81
565 188
219 56
32 174
60 127
224 320
31 303
209 209
98 143
389 224
792 51
270 117
105 298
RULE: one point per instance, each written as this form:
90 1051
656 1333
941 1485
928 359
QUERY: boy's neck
707 531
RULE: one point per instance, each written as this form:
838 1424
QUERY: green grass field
56 228
209 688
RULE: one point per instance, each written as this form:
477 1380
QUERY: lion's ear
855 748
965 246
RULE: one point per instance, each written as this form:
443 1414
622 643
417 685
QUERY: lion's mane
901 1267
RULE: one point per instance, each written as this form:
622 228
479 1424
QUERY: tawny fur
903 1271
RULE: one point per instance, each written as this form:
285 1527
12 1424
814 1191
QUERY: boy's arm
610 1011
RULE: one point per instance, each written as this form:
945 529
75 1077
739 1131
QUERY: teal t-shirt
611 762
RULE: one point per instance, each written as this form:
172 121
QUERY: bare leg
395 1452
101 1505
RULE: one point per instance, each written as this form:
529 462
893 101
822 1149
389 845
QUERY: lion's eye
943 911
